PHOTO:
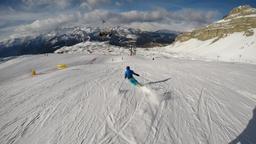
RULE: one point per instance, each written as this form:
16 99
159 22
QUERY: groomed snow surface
182 102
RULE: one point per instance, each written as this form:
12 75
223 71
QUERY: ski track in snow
91 103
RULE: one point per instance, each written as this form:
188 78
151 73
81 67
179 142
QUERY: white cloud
85 6
59 3
45 25
182 20
64 3
195 15
117 3
97 2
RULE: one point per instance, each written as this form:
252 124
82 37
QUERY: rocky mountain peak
239 19
243 10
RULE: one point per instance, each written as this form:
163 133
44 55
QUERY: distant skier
129 74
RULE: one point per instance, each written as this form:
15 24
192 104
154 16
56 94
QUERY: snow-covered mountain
232 38
118 36
43 43
240 19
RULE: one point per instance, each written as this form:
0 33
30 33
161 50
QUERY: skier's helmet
128 67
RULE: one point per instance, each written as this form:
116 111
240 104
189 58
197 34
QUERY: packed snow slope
182 102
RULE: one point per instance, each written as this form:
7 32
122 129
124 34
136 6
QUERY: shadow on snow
155 82
248 135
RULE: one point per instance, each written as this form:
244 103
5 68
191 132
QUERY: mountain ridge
117 36
239 19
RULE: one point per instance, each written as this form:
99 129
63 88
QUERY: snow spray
150 95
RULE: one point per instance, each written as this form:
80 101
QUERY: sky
25 17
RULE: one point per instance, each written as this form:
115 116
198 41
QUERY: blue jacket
129 74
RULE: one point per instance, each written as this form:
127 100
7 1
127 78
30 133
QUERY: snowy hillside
93 48
232 39
235 47
89 102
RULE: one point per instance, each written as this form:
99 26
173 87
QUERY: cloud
46 25
181 20
97 2
85 6
38 3
117 3
195 15
62 4
162 15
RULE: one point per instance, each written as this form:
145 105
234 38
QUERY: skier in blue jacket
129 74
